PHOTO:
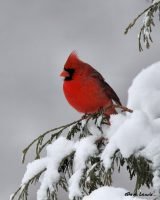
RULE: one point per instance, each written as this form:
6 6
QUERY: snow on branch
81 156
147 25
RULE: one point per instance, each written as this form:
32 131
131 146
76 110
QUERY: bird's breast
85 95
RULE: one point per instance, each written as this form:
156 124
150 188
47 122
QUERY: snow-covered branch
147 25
81 156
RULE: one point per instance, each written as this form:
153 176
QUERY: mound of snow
110 193
144 94
138 132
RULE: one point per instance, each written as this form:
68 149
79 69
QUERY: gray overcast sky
36 36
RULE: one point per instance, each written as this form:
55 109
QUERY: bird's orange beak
64 74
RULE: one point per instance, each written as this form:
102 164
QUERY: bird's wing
112 93
107 88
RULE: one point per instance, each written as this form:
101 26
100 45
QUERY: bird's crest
72 60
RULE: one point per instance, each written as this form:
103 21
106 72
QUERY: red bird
85 88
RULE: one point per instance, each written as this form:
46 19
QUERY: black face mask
71 72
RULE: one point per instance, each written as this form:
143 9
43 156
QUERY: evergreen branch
146 29
41 146
136 166
142 13
40 138
23 189
94 174
66 165
52 195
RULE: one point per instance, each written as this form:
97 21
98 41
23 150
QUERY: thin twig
124 109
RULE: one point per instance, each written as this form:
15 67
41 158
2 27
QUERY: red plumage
85 88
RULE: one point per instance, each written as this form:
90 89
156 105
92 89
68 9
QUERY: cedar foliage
144 35
94 174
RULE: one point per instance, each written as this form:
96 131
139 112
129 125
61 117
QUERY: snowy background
36 38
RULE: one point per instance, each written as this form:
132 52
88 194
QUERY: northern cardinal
85 88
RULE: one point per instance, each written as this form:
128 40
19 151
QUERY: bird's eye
71 72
